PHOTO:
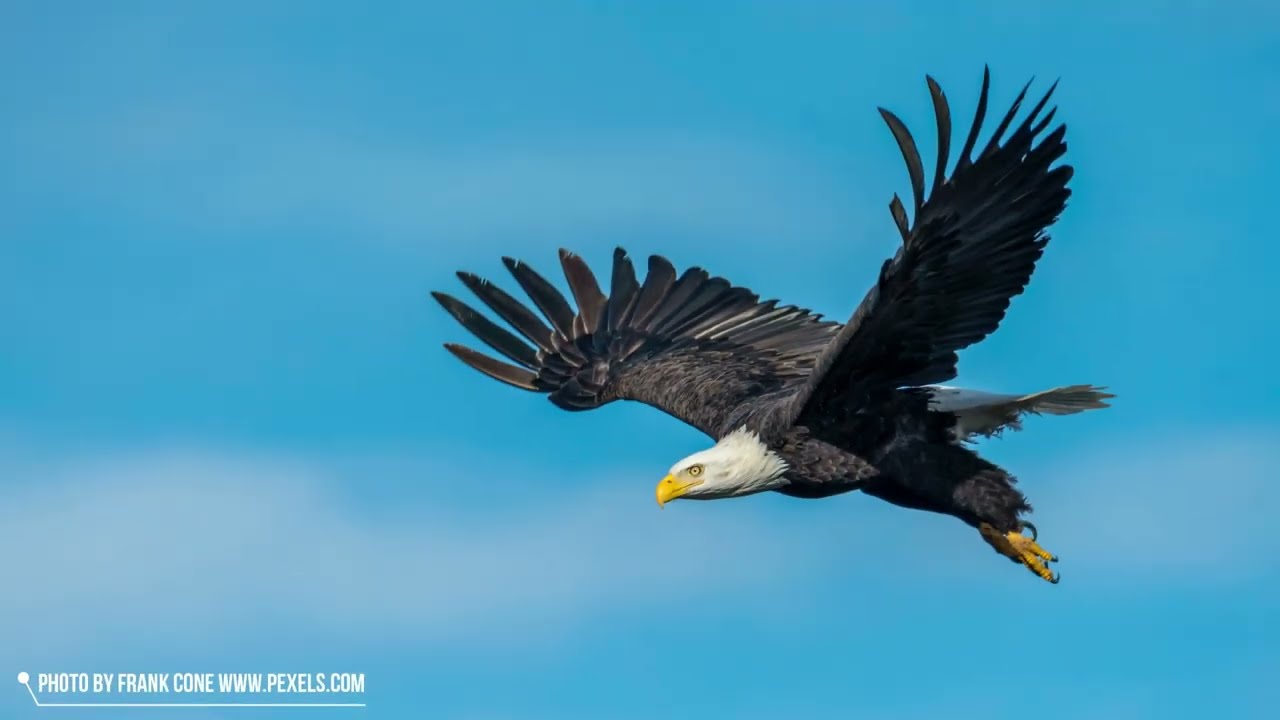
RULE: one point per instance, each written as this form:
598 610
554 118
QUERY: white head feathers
740 464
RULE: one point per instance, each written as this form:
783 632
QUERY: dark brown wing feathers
694 345
493 335
544 296
972 247
509 374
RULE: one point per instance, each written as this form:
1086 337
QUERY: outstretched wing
694 346
971 247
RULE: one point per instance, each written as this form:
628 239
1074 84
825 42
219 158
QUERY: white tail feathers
1066 400
989 414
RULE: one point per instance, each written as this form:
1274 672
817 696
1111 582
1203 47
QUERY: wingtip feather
496 369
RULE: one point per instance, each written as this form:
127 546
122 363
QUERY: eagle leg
1021 549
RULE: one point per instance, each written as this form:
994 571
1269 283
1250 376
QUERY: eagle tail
990 414
1067 400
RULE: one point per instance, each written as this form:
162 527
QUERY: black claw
1055 579
1035 534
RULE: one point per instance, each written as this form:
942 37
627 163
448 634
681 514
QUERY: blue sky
230 440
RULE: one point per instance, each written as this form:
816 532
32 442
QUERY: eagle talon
1022 549
1035 534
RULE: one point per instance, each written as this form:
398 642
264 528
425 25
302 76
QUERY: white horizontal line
201 705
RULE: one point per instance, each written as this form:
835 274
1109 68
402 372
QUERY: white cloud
205 543
157 538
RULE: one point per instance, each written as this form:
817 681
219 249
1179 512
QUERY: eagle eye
695 470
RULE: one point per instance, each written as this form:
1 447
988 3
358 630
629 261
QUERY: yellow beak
670 488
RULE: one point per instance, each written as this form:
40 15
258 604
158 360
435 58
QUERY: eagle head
739 464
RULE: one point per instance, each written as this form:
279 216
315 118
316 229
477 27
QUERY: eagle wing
693 346
970 248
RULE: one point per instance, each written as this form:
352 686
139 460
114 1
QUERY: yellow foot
1021 549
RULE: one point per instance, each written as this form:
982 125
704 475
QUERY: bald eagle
808 407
